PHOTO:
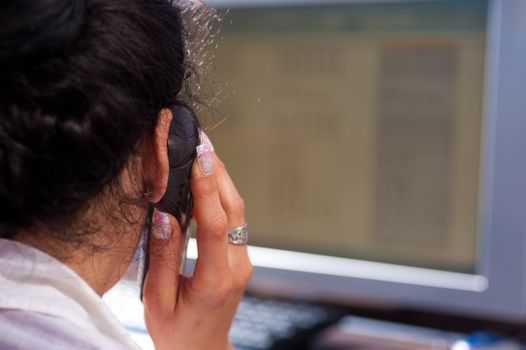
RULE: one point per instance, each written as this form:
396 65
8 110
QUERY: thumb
162 278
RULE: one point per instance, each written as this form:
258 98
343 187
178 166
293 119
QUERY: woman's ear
155 160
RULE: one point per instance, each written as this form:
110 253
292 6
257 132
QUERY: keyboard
260 323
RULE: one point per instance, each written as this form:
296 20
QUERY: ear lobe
156 157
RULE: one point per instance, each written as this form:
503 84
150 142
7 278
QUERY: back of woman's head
81 84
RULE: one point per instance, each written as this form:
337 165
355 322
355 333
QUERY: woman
84 91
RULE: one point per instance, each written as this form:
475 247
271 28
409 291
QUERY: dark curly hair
81 85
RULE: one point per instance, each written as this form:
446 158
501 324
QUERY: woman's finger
161 283
211 235
231 201
234 208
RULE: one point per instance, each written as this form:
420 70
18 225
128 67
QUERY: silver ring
238 236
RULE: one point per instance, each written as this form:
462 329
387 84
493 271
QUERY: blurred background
354 130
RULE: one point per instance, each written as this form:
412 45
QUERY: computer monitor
379 146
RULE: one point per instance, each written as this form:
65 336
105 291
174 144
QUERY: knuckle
249 272
242 276
204 186
218 225
238 205
216 229
245 276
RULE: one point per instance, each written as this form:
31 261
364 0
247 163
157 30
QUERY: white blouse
46 305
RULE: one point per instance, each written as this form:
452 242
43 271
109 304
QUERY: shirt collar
33 281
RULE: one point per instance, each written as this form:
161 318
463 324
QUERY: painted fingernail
205 140
204 155
161 227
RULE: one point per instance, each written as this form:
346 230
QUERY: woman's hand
196 313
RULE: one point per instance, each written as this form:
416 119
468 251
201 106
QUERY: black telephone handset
183 138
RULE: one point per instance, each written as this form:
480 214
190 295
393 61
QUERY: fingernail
161 227
205 140
204 155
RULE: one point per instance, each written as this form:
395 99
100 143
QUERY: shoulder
23 330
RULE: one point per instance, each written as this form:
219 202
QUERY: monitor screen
355 130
